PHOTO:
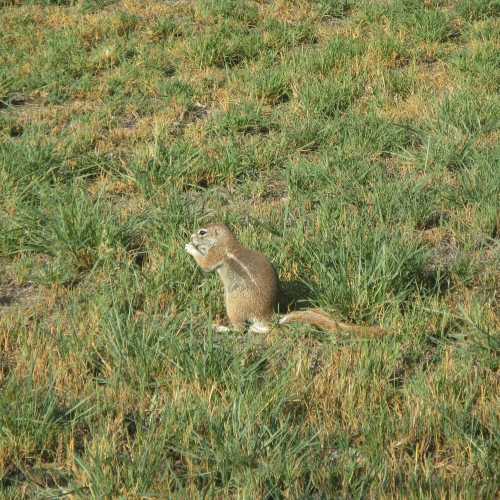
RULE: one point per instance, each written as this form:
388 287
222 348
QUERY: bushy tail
323 321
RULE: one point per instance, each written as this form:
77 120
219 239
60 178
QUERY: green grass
355 143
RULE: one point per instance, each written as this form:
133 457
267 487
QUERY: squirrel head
214 241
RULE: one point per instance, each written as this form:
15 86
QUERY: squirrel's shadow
294 295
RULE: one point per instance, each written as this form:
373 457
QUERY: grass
355 143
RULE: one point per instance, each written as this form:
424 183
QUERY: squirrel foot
221 328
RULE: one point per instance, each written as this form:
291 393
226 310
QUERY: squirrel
251 285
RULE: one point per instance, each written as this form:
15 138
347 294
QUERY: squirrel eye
202 232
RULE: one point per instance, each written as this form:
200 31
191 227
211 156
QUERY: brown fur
323 321
251 286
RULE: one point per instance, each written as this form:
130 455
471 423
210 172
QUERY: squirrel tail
323 321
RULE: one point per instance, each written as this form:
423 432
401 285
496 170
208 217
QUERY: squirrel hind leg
259 327
221 328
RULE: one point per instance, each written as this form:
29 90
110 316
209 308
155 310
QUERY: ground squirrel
251 285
